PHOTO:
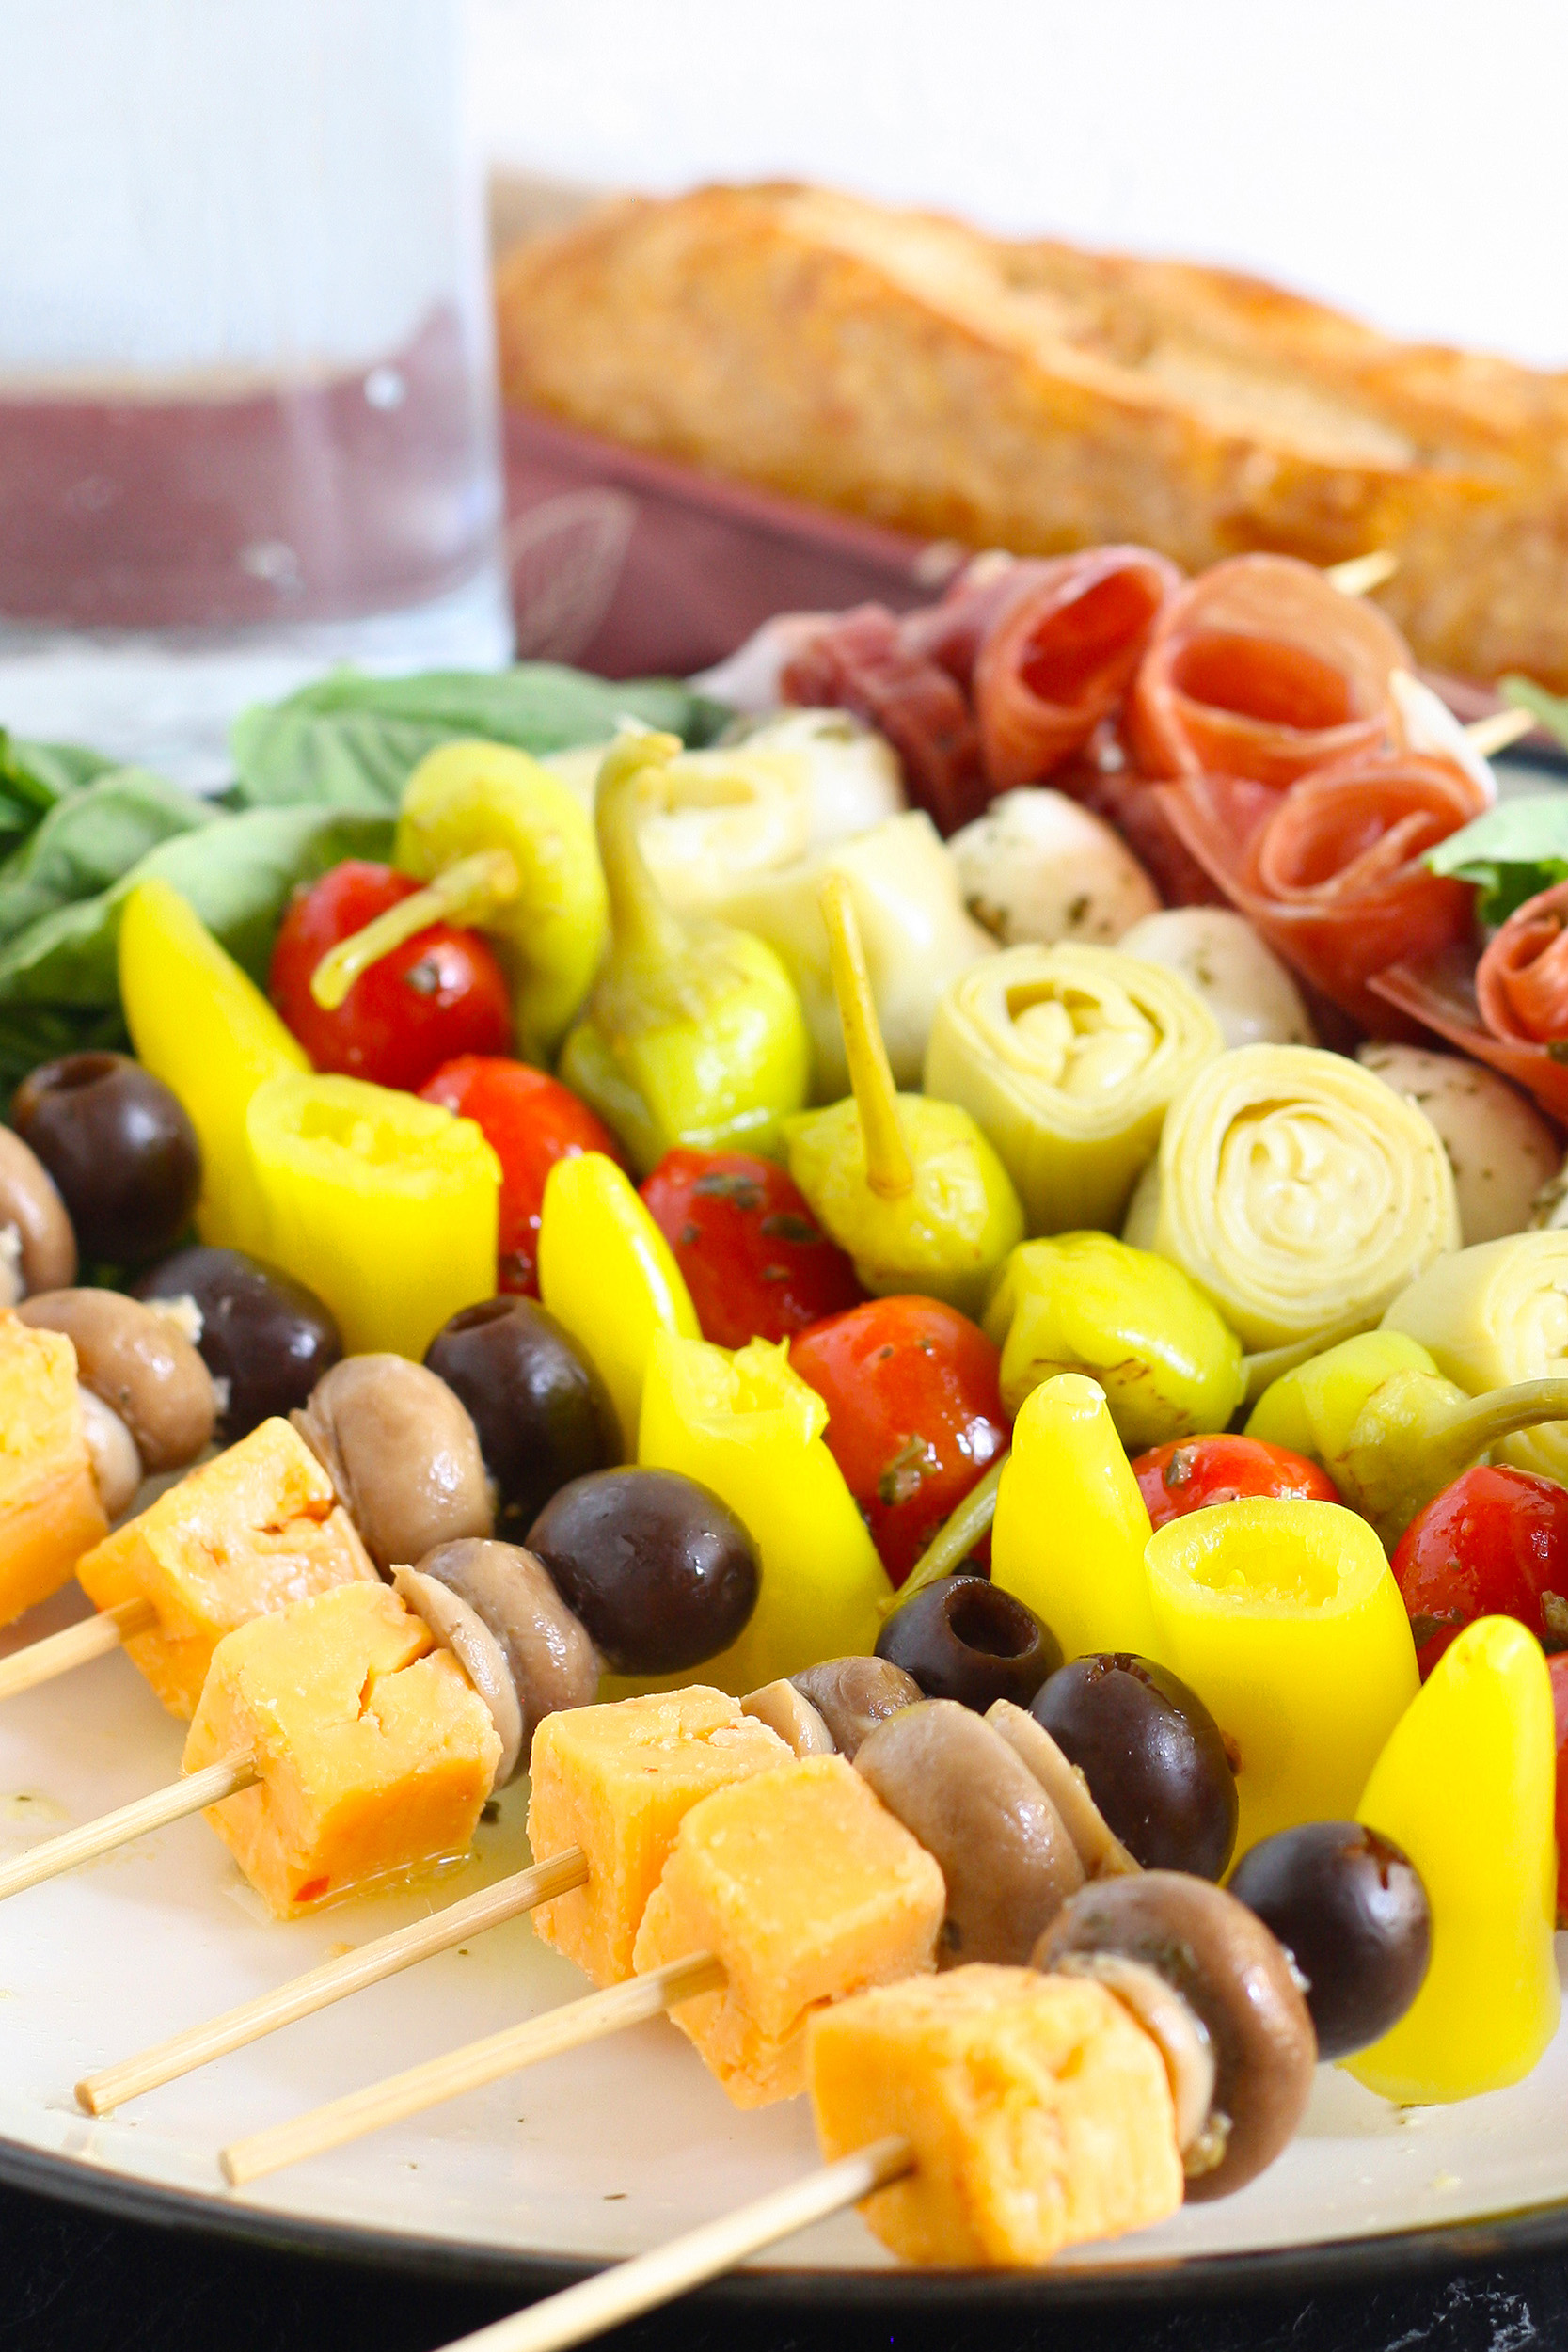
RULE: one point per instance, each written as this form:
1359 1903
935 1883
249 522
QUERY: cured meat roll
1060 653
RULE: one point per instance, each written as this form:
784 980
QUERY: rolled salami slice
1261 668
1440 994
860 663
1522 978
1060 655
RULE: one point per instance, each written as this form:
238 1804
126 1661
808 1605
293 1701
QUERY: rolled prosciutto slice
861 662
1330 872
1440 993
1522 979
1261 668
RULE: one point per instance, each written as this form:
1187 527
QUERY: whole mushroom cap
403 1453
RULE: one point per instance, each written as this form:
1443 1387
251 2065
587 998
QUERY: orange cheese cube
48 1508
251 1530
618 1780
1039 2110
375 1750
807 1889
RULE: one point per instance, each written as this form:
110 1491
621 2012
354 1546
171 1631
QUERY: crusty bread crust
1037 397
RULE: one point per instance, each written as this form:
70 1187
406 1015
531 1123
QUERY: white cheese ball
1243 983
1036 867
1501 1148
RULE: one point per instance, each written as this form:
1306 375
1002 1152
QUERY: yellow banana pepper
205 1028
1285 1620
1466 1786
752 1430
1070 1526
383 1205
1086 1302
607 1272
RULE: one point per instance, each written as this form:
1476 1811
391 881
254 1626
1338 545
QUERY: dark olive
662 1573
964 1638
1152 1755
1351 1909
121 1149
263 1334
543 1413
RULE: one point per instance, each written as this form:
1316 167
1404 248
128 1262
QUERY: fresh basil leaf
237 872
38 775
1550 710
350 741
1517 848
91 837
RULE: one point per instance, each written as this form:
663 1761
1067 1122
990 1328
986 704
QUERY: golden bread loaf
1033 396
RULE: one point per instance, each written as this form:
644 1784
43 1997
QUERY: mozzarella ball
1243 983
1501 1148
1036 867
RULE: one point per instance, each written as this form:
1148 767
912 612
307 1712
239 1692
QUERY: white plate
595 2155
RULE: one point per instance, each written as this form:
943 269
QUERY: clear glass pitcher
247 420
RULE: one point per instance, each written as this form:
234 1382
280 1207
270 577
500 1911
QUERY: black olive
1352 1912
264 1334
658 1569
1152 1755
964 1638
543 1414
121 1149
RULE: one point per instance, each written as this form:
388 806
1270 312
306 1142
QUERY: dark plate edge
1533 2230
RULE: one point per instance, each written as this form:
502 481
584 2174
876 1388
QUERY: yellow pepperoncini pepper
607 1272
502 847
1285 1620
1086 1302
383 1205
750 1429
693 1033
205 1028
906 1185
1070 1528
1466 1786
1389 1428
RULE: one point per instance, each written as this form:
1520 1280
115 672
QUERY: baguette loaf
1039 398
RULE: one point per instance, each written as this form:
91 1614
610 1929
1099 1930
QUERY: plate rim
1511 2235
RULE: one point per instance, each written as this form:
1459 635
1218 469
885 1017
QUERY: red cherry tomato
1192 1473
754 1259
530 1120
915 1414
1495 1544
1558 1668
441 993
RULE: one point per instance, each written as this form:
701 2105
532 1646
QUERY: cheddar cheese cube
618 1780
1038 2111
807 1889
249 1531
375 1750
49 1514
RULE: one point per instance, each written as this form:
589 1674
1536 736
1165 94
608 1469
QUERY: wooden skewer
615 2295
94 1637
1498 730
1361 573
332 1981
568 2028
193 1794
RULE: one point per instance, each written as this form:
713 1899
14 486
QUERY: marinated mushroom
464 1632
1100 1849
550 1659
117 1465
964 1638
1239 1984
140 1364
38 1241
854 1694
983 1816
791 1714
402 1455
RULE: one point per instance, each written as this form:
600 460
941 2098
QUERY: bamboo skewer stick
332 1981
1360 574
615 2295
57 1653
192 1794
1495 732
569 2027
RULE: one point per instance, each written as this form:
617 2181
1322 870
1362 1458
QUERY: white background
1407 162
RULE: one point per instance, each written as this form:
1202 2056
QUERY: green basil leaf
1517 848
237 872
350 741
38 775
1550 710
90 838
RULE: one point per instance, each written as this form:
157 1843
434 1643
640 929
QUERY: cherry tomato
1495 1544
441 993
756 1262
1558 1668
1192 1473
530 1120
915 1414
